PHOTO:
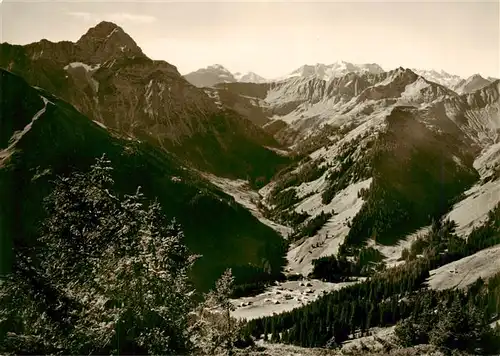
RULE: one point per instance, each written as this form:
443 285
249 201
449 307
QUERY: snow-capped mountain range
217 74
335 70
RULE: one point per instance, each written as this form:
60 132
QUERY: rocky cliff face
477 113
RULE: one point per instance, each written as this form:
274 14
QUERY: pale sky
274 38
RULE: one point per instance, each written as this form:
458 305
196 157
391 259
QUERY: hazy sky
274 38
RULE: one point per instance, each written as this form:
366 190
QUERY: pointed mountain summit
471 84
103 42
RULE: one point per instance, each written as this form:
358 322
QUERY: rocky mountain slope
42 135
106 76
387 153
471 84
341 68
305 104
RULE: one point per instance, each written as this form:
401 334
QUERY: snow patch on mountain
461 273
446 79
87 67
481 198
214 94
413 92
329 71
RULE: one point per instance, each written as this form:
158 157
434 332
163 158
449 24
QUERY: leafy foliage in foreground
109 275
217 332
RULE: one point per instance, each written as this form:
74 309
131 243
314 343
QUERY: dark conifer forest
449 319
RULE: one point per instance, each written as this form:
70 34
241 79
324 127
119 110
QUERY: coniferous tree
110 272
218 329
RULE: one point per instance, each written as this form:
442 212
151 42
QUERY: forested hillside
400 296
61 141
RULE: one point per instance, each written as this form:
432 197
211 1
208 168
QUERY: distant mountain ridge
471 84
217 74
334 70
446 79
209 76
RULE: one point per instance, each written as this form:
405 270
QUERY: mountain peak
334 70
217 67
471 84
103 29
107 40
476 76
